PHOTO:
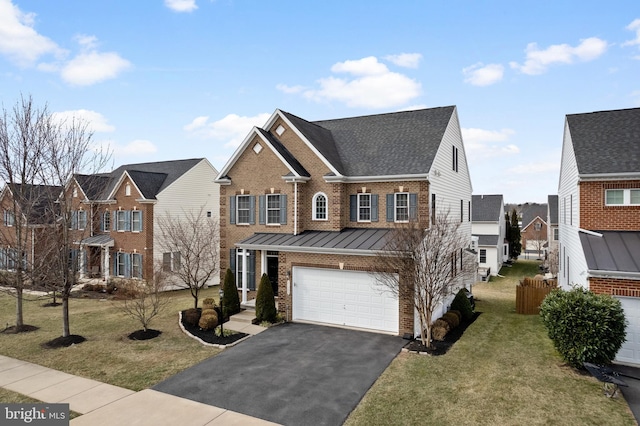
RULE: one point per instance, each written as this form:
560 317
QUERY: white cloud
96 122
135 148
92 67
535 168
231 129
482 143
634 26
181 5
483 75
407 60
19 41
373 85
538 60
290 90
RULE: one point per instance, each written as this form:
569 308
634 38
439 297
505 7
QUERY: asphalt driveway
292 374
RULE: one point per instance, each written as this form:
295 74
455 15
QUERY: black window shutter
413 206
262 209
374 207
283 209
390 207
353 208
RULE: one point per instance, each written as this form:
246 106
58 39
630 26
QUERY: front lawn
107 355
503 371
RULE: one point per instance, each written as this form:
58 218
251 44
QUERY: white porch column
244 275
263 262
82 254
105 266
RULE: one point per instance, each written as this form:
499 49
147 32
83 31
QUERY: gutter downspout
295 208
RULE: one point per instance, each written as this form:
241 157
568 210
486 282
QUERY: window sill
319 220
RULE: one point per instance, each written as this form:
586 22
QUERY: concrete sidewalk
103 404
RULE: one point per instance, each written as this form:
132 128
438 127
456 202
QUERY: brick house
599 212
488 225
115 215
533 231
309 204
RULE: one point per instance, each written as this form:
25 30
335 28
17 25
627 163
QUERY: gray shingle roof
397 143
487 240
552 201
486 208
346 240
615 251
284 152
606 141
148 183
94 186
531 211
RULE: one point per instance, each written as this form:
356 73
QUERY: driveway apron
292 374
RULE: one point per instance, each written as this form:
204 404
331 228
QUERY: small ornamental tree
584 326
515 243
230 300
265 302
461 303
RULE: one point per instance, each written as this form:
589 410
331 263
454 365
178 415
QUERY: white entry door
349 298
629 353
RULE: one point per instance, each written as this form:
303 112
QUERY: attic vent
257 148
280 130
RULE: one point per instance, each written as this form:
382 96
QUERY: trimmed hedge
451 319
208 320
265 301
230 300
461 303
439 329
584 326
192 316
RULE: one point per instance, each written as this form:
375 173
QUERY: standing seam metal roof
348 239
615 251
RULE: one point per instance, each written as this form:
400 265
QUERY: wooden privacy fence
531 292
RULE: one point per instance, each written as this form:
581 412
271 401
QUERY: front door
272 270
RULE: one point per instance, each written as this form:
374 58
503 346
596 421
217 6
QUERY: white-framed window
257 148
537 226
273 209
483 255
320 205
401 200
136 221
106 221
121 220
128 265
280 130
121 264
136 265
9 218
171 261
556 234
82 219
454 159
622 197
364 207
127 190
243 209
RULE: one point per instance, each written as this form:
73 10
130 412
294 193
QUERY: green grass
504 370
107 355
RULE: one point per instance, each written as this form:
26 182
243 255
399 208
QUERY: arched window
320 211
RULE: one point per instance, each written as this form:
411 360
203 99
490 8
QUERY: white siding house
488 225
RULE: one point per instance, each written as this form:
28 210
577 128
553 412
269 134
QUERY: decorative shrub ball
452 319
192 316
208 303
208 320
457 313
439 332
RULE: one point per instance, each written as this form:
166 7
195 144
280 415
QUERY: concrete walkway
103 405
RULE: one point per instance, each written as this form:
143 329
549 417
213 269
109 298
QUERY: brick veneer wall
595 215
615 286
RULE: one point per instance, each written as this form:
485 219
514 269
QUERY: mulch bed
23 329
144 334
209 336
441 347
63 342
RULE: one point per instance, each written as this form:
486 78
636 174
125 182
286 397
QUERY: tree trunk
19 316
65 316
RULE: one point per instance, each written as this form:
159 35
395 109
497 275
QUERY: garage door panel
629 353
354 299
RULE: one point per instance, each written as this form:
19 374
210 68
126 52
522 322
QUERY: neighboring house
533 230
599 211
488 225
115 215
310 203
30 208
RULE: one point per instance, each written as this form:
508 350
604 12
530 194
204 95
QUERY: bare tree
67 150
23 134
553 261
189 244
425 266
145 301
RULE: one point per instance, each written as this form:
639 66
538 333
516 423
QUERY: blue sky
171 79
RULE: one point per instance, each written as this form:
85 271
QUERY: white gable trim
278 113
221 179
382 178
117 186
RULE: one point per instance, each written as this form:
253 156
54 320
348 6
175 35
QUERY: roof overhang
382 178
609 176
101 240
614 274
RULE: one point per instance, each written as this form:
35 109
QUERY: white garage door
629 353
347 298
